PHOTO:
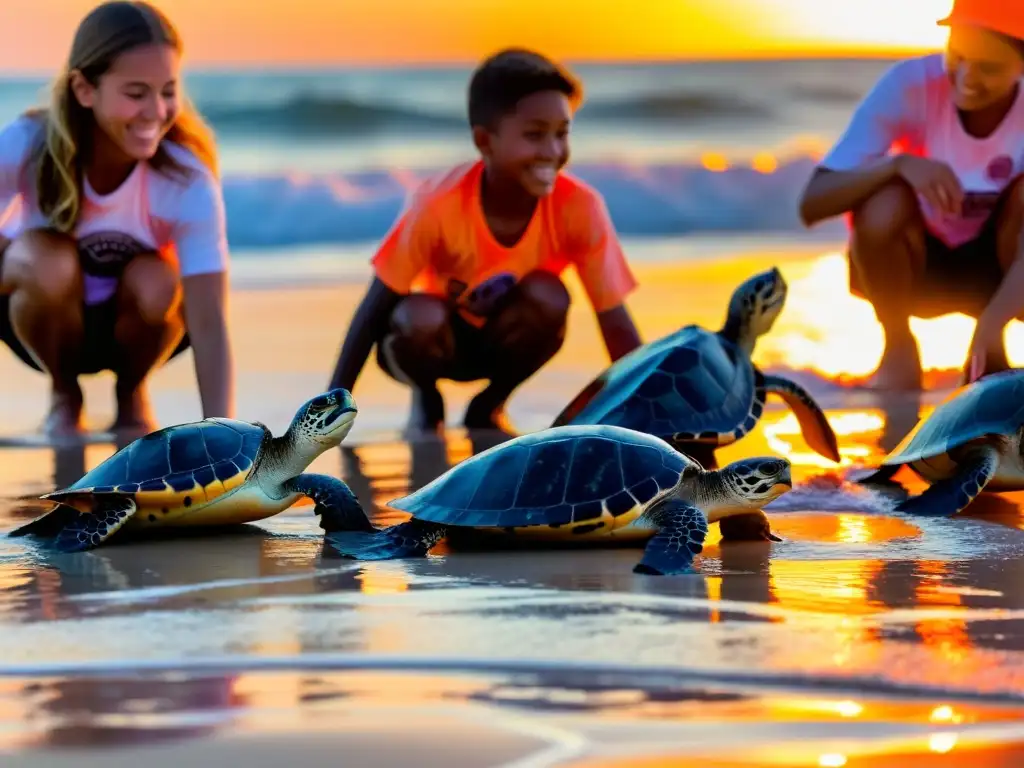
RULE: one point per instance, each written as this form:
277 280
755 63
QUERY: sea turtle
210 472
699 389
971 442
577 482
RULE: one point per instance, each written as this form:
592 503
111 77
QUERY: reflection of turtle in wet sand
699 389
211 472
971 442
575 483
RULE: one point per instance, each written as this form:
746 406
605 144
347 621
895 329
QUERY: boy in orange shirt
466 283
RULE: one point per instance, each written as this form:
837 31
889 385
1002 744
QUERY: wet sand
863 639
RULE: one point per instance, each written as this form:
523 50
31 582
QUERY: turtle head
748 484
754 306
322 422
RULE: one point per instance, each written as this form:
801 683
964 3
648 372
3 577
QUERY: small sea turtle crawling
699 389
211 472
574 483
970 443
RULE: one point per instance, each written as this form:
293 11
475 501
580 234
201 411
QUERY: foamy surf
568 672
656 199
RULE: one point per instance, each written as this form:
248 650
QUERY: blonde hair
108 31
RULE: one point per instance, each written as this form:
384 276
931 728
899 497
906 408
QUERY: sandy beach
863 639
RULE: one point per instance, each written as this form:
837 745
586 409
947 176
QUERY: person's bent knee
1011 209
889 214
46 265
547 297
420 318
150 289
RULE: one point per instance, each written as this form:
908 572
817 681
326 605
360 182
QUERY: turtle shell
200 460
692 380
571 476
993 405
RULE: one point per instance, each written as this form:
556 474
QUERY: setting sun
230 32
861 24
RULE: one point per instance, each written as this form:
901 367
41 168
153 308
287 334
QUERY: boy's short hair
505 78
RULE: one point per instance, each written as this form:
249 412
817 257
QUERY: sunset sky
35 34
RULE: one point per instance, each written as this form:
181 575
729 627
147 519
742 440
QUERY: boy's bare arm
620 334
368 325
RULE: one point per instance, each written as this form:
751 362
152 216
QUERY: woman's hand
934 181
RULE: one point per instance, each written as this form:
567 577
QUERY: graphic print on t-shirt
487 295
1000 168
103 257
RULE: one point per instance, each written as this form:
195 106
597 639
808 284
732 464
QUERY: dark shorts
99 350
960 279
474 353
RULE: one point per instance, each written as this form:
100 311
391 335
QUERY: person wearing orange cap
928 172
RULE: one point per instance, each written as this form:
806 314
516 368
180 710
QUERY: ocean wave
684 106
304 114
643 200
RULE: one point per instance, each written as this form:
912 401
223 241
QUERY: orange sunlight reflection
858 433
947 637
826 329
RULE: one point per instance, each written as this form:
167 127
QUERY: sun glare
863 23
825 328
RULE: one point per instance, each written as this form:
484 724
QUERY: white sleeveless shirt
910 109
179 217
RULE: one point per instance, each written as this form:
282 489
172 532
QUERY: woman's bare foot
65 416
899 369
134 413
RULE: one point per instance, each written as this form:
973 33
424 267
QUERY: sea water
318 158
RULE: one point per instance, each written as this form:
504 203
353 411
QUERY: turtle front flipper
411 539
814 424
682 529
90 529
336 504
753 526
949 496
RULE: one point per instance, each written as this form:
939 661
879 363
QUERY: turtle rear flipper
882 476
682 529
49 524
90 529
411 539
814 425
949 496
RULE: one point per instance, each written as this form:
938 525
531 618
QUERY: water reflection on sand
817 641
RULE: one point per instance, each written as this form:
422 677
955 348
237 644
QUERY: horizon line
850 53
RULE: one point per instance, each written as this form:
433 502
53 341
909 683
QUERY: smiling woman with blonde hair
113 252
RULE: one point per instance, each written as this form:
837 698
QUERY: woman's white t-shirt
179 216
910 109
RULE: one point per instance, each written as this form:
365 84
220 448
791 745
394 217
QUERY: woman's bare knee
150 289
887 216
420 318
45 265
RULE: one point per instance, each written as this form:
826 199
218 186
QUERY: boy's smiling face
530 145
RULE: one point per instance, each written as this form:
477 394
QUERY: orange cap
1005 16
